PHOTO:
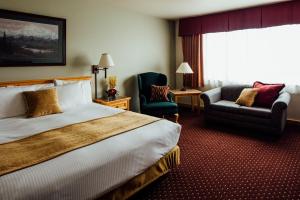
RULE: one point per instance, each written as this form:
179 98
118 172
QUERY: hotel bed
91 171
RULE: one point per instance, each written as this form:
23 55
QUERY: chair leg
176 117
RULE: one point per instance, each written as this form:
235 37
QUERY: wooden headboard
42 81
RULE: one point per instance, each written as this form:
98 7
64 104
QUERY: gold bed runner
50 144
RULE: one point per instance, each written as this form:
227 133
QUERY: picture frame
31 40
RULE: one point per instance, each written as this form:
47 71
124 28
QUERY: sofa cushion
267 93
247 97
232 92
230 106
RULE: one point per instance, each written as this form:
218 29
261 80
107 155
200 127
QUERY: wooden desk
193 93
119 102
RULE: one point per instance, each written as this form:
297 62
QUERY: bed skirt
161 167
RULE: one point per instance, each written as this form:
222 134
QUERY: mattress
88 172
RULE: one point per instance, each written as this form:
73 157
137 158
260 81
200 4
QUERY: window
244 56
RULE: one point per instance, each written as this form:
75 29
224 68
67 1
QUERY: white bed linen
90 171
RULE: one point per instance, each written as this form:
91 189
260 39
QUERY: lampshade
184 68
106 61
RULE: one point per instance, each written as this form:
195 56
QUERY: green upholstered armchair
145 80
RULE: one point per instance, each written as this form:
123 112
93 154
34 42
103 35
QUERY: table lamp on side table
184 68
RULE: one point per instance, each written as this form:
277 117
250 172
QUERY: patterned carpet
221 163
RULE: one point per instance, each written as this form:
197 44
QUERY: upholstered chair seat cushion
168 108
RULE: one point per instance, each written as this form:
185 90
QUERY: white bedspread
87 172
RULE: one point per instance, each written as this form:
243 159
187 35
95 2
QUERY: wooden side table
193 93
118 102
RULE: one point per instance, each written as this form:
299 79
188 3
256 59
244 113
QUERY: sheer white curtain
269 55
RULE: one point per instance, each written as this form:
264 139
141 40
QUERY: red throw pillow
159 93
267 93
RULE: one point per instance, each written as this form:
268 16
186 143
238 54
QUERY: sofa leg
176 117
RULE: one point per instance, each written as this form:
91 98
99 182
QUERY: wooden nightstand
118 102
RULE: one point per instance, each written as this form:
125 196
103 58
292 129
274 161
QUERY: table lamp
184 68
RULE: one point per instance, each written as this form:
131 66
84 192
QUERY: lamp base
183 89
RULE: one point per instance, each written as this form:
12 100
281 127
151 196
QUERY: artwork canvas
31 40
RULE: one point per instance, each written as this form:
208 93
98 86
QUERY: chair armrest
170 97
143 100
211 96
281 102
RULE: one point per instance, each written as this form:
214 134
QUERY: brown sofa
220 106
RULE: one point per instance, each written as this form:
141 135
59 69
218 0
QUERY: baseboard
293 121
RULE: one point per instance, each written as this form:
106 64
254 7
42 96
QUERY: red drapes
192 53
244 19
296 12
276 15
257 17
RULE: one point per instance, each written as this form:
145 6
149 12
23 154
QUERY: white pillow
85 85
62 82
71 95
12 102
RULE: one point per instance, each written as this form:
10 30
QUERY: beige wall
293 110
137 43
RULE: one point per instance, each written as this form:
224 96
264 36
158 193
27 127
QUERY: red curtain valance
257 17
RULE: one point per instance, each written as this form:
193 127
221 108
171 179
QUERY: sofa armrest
279 111
281 102
211 96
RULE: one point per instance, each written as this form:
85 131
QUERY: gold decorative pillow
42 102
247 97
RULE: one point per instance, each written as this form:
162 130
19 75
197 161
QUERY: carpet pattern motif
222 163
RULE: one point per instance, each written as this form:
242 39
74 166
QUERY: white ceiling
174 9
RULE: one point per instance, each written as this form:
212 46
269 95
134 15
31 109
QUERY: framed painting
31 40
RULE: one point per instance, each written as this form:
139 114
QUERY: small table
118 102
193 93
